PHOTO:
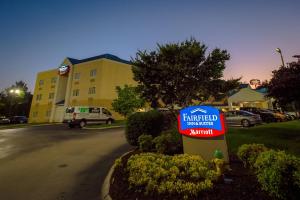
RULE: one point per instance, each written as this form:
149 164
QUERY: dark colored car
18 120
265 115
279 116
4 120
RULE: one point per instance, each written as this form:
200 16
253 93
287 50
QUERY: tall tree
285 85
178 73
128 100
12 103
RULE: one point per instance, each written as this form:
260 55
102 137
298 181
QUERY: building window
77 76
41 82
39 97
76 92
92 90
51 95
53 80
48 113
93 72
34 114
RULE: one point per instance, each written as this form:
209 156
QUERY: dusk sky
38 35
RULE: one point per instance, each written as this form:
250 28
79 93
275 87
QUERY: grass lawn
116 123
283 136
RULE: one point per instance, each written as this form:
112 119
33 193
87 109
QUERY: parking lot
55 162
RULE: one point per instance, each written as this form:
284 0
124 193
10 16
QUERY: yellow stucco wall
40 107
109 74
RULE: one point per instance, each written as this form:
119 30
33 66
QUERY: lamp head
278 50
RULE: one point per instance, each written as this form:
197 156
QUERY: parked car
4 120
293 114
18 120
243 118
83 115
265 115
288 116
279 116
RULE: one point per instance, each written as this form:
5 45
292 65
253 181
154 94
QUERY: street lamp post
279 51
12 92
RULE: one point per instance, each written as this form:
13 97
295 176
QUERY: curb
101 128
106 184
26 126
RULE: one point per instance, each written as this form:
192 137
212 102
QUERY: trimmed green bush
170 119
249 152
169 142
185 175
148 123
162 143
145 143
279 174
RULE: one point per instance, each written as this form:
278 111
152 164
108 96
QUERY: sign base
205 147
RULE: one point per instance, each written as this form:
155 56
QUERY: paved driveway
56 163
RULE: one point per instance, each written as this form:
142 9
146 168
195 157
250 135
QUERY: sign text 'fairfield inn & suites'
201 122
203 131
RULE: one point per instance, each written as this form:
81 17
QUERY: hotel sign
201 122
63 70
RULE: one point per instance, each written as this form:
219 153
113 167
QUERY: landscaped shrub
169 142
170 119
185 175
279 174
148 123
145 143
162 143
249 152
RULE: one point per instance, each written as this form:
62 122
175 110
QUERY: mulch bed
243 187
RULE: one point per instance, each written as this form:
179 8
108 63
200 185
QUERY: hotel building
87 82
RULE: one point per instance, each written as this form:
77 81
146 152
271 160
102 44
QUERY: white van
82 115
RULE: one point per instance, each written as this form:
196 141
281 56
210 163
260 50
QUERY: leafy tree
264 84
178 73
219 88
285 85
15 104
128 100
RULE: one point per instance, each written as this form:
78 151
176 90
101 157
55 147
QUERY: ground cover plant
244 187
184 175
277 171
261 173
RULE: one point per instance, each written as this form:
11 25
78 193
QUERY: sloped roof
262 90
247 94
241 86
107 56
244 85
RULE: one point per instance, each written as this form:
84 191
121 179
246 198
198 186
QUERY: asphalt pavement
53 162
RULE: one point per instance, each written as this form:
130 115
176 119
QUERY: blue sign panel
201 121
